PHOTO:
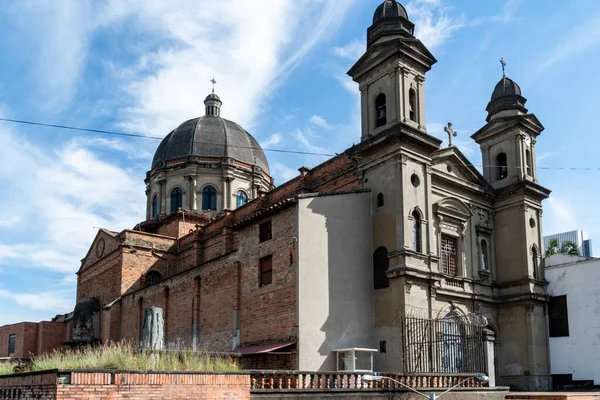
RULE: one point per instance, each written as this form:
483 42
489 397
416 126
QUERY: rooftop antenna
503 62
214 83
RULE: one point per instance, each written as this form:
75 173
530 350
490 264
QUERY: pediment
528 121
103 244
453 208
451 163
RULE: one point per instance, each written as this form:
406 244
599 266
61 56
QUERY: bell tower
391 74
507 145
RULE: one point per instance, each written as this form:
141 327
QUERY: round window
414 179
532 222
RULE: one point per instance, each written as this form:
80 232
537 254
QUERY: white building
574 320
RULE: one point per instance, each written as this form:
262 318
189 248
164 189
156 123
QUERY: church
396 249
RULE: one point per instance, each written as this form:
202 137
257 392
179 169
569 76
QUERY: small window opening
155 206
209 198
265 232
381 110
558 316
380 200
152 278
528 161
176 199
412 104
502 166
241 198
416 231
266 271
381 263
11 343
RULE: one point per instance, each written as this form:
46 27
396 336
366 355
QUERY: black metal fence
446 346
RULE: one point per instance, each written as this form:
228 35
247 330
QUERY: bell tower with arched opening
391 74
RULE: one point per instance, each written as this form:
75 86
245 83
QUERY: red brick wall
50 336
126 385
25 339
102 279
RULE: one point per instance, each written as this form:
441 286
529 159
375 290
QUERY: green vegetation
566 247
126 357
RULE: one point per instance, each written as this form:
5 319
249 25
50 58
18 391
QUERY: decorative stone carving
408 286
153 333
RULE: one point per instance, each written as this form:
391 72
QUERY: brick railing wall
57 385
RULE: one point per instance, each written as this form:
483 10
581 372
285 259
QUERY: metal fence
445 346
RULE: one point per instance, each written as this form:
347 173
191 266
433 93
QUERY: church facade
397 244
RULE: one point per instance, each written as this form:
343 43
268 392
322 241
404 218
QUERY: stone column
192 192
488 339
162 199
421 101
148 202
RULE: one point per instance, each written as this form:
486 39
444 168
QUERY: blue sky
144 67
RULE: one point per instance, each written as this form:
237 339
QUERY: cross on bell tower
212 102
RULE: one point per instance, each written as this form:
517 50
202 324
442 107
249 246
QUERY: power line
134 135
308 153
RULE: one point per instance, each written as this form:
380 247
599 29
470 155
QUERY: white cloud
319 121
352 51
583 37
559 215
274 140
282 173
250 49
60 198
433 23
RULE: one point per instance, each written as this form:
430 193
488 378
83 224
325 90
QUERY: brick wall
25 339
50 336
44 386
102 279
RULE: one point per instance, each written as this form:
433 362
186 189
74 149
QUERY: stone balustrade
286 380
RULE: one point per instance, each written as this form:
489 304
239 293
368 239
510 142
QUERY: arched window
485 260
453 351
416 231
209 198
534 260
528 162
380 200
381 110
502 166
176 199
155 206
412 104
380 266
241 198
153 278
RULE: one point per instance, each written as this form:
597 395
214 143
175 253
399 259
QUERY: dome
210 136
389 9
212 96
506 96
506 87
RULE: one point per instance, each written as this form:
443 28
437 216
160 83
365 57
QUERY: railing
290 380
457 283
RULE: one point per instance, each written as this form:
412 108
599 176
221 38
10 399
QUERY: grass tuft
121 356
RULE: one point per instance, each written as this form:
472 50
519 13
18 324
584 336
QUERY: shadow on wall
348 305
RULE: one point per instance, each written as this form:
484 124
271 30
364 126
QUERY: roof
389 9
506 87
212 137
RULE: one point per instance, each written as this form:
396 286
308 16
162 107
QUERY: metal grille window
11 343
152 278
416 231
559 317
449 246
266 271
265 231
